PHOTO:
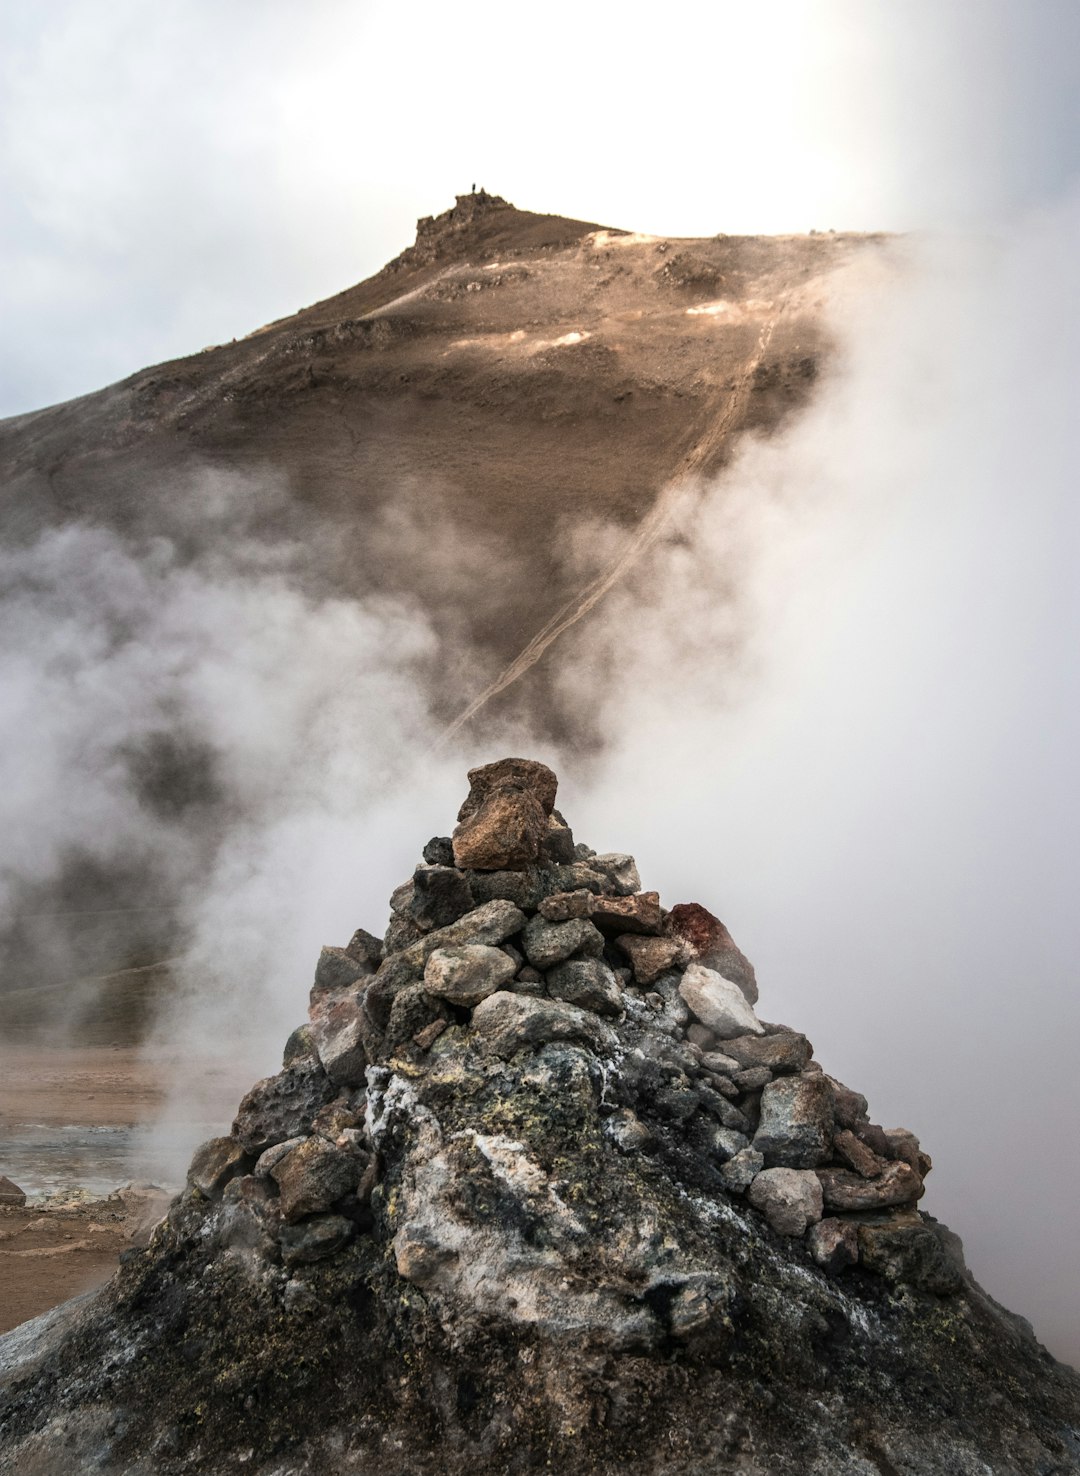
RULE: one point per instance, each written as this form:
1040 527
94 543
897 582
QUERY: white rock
718 1003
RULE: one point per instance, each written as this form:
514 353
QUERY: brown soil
54 1251
48 1255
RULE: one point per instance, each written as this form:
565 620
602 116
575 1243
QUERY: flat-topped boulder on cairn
537 1188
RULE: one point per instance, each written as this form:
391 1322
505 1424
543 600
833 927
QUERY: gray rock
558 845
314 1176
337 969
314 1239
697 1034
718 1003
439 851
467 974
585 982
523 888
904 1145
718 1106
214 1163
440 896
491 923
672 1003
562 906
753 1078
281 1106
789 1198
720 1063
620 870
575 877
10 1193
366 949
401 898
300 1048
796 1125
843 1190
341 1032
834 1245
412 1011
782 1053
547 943
740 1171
627 1131
401 933
725 1143
506 1023
267 1160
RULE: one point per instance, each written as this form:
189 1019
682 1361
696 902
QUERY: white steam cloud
843 711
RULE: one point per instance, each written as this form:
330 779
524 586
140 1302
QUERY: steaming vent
537 1184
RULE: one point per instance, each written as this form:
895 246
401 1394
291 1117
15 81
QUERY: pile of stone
509 936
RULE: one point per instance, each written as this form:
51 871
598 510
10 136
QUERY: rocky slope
537 1188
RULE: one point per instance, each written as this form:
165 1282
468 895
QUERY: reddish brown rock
851 1107
649 958
503 823
903 1146
635 914
843 1190
786 1051
711 944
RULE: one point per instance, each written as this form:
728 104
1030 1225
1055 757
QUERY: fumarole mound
538 1189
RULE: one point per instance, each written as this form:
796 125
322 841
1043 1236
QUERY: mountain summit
538 1188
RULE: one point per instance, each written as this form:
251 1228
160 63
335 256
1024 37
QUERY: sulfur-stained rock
709 943
214 1163
503 823
587 983
796 1125
718 1003
548 943
281 1106
465 975
834 1245
789 1198
314 1176
843 1190
507 1023
300 1048
639 913
912 1254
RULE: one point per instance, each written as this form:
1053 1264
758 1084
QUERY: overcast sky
173 175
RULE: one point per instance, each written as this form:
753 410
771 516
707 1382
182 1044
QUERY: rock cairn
536 1188
509 937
